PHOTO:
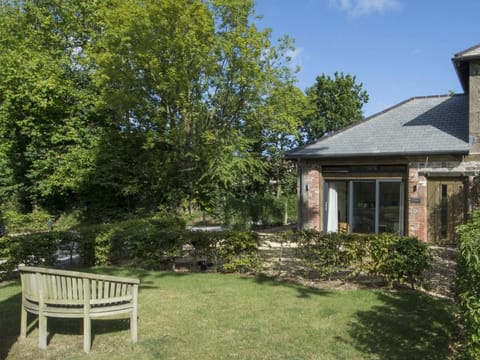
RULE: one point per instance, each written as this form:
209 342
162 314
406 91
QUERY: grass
214 316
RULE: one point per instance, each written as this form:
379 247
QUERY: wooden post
23 321
42 319
87 329
134 314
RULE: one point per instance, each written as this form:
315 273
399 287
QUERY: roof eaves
378 154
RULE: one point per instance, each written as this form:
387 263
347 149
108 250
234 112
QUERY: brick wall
310 216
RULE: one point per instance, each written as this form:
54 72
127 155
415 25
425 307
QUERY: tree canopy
140 104
334 104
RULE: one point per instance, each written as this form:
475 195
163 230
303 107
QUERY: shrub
397 258
393 257
148 243
205 247
35 221
228 251
467 283
320 253
239 251
33 249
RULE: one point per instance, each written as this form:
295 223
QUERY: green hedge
34 249
148 243
157 243
226 251
395 258
467 283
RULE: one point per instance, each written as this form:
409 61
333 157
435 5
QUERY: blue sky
397 48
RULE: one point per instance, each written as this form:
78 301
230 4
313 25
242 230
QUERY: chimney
467 65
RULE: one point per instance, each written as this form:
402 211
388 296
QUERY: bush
35 221
239 251
228 251
33 249
320 252
148 243
467 283
397 259
393 257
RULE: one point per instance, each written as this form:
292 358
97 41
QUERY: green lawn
214 316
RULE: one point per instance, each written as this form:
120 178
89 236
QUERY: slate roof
419 126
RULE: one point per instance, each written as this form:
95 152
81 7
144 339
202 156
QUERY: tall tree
139 103
45 100
334 104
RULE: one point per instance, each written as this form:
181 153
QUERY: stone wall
416 204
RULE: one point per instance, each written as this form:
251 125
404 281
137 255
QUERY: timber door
446 209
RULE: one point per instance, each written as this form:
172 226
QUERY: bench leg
87 333
133 326
23 324
42 331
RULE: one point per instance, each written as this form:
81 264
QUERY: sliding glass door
390 207
364 206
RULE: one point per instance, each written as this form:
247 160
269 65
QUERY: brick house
411 169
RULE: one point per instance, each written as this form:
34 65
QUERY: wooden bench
70 294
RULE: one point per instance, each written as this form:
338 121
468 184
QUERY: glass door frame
350 184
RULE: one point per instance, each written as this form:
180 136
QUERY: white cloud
365 7
295 54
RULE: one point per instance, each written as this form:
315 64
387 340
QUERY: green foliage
334 104
35 221
205 247
226 251
259 211
393 257
33 249
467 283
105 113
397 258
320 253
239 251
144 243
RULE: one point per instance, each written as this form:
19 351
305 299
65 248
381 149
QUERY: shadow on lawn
303 291
407 326
9 321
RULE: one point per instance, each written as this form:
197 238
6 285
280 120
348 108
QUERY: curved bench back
64 287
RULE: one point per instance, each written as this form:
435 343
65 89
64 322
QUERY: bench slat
82 275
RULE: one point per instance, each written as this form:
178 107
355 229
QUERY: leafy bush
148 243
239 251
467 283
33 249
397 258
320 253
205 247
35 221
391 256
229 251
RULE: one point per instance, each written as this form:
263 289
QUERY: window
364 206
